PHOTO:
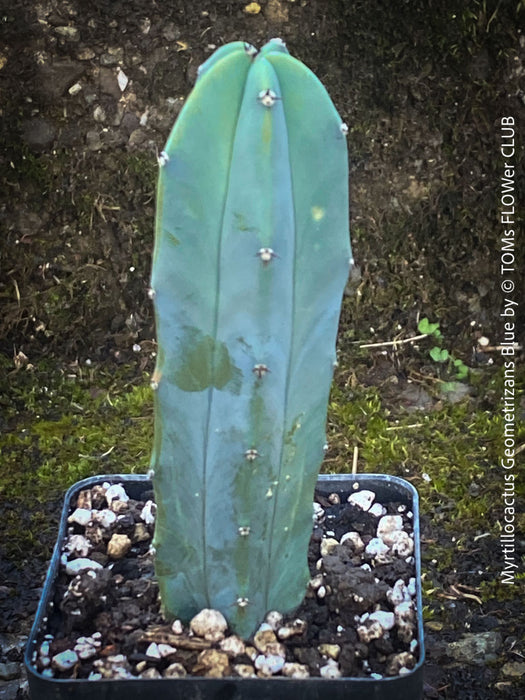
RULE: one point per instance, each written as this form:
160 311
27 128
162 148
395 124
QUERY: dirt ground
89 92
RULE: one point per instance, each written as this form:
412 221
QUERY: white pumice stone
321 592
65 660
166 650
177 627
94 676
328 545
153 651
378 510
78 545
369 630
401 543
318 515
77 566
274 619
148 513
405 621
209 624
330 670
44 649
411 588
385 619
116 492
105 517
387 525
269 665
398 593
80 516
362 499
397 662
151 673
376 548
85 649
295 670
233 645
48 673
316 582
355 538
297 627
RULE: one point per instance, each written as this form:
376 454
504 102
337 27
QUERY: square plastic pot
405 687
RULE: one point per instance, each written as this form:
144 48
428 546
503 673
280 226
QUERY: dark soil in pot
358 618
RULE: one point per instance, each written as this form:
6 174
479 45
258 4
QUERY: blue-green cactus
251 257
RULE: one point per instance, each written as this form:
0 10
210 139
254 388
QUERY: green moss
62 425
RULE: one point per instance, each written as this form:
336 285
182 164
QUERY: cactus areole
252 253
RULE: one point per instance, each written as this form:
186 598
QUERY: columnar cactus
251 257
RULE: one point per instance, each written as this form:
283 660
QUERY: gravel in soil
358 617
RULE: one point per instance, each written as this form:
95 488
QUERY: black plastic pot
405 687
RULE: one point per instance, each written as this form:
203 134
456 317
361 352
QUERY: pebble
175 670
378 510
378 550
209 624
233 646
244 671
295 670
369 630
266 642
297 627
116 492
77 566
269 665
332 651
153 651
122 79
78 545
75 89
355 539
166 650
65 660
80 516
398 593
105 517
328 546
330 670
150 673
318 515
385 619
362 499
118 546
274 619
215 663
398 662
401 543
140 533
148 513
388 525
177 627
